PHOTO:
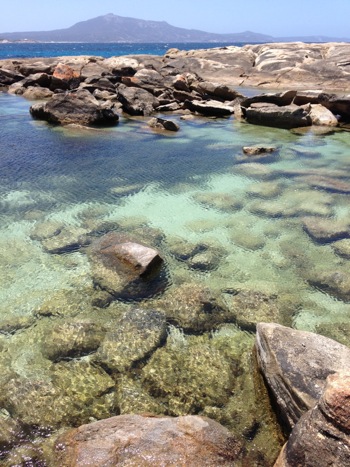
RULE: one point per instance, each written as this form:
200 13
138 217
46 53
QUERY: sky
277 18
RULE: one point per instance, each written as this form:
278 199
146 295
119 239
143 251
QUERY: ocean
233 234
34 49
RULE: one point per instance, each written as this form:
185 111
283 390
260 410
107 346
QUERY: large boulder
148 441
321 116
321 436
288 116
295 365
126 268
75 107
136 101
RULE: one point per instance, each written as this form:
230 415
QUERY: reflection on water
245 239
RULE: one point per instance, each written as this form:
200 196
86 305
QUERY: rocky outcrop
321 436
148 441
295 365
204 82
74 107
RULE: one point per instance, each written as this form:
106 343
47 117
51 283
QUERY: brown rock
321 436
257 150
288 116
326 230
147 441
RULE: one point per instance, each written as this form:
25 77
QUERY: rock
132 398
8 77
193 307
162 124
289 116
218 91
147 79
333 185
295 365
321 116
146 440
326 230
257 150
137 101
37 93
342 248
321 436
265 189
204 261
125 268
222 201
70 339
74 107
281 99
209 108
339 331
335 282
249 308
64 241
295 204
135 336
246 239
188 374
64 77
74 391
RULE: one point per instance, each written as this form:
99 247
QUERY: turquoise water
193 188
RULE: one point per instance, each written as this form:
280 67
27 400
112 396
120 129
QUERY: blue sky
272 17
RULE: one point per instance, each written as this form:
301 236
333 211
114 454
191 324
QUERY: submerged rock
193 307
326 230
295 365
135 336
321 436
335 281
249 308
148 441
188 374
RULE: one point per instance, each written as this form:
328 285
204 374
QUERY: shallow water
196 187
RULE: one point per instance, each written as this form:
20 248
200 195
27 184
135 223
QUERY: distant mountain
113 28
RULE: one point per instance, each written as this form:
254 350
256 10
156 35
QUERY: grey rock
295 365
74 107
289 116
209 108
162 124
137 101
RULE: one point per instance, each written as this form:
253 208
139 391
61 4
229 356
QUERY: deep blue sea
225 223
26 50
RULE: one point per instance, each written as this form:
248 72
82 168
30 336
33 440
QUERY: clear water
193 186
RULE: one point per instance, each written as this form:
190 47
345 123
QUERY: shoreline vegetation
298 382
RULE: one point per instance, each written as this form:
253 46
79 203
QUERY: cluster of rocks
90 90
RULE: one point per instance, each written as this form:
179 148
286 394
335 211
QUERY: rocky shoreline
137 365
91 90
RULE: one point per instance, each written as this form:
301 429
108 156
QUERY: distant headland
114 28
